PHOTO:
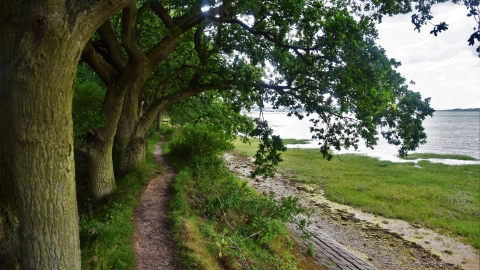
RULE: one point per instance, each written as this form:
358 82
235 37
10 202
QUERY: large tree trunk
42 155
40 47
133 156
101 180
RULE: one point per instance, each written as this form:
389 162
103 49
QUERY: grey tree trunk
40 46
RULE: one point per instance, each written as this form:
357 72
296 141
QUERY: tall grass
438 196
220 222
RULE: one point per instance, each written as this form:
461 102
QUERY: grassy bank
220 222
437 196
295 141
430 155
106 229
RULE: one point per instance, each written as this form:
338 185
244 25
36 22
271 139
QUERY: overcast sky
444 68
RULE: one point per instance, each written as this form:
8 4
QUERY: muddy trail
152 242
375 242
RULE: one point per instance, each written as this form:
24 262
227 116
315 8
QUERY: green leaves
404 121
267 156
87 105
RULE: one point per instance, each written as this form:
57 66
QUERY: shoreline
386 243
452 132
391 158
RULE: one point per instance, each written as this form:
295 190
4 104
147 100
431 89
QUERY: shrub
196 145
236 224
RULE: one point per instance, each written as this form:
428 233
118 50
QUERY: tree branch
188 23
163 49
162 13
129 20
114 48
267 35
94 13
169 100
137 58
102 68
162 86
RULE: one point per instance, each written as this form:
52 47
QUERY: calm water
448 133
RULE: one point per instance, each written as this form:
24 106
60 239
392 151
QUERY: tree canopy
318 57
314 56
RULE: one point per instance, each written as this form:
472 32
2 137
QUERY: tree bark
9 244
159 122
40 46
101 180
133 137
133 156
42 158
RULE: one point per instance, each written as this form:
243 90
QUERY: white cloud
443 67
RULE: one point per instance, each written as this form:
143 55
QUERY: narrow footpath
152 241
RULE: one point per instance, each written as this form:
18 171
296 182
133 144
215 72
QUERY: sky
444 68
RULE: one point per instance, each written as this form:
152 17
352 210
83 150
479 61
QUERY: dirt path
380 247
152 241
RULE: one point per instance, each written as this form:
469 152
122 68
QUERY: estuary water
448 132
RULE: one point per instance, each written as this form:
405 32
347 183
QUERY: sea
448 132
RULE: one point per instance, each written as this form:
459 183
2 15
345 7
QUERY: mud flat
384 243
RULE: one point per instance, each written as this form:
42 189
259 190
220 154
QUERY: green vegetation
295 141
106 228
431 155
219 222
437 196
153 54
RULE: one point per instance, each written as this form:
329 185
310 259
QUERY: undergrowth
106 228
219 222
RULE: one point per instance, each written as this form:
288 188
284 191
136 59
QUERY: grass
221 223
295 141
106 229
227 238
437 196
431 155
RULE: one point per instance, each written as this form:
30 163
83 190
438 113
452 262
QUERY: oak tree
40 45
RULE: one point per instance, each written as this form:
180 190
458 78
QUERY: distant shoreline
462 110
284 110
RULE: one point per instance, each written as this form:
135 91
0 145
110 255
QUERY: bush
234 223
196 143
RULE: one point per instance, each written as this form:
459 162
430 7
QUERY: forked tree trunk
133 135
101 178
40 46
